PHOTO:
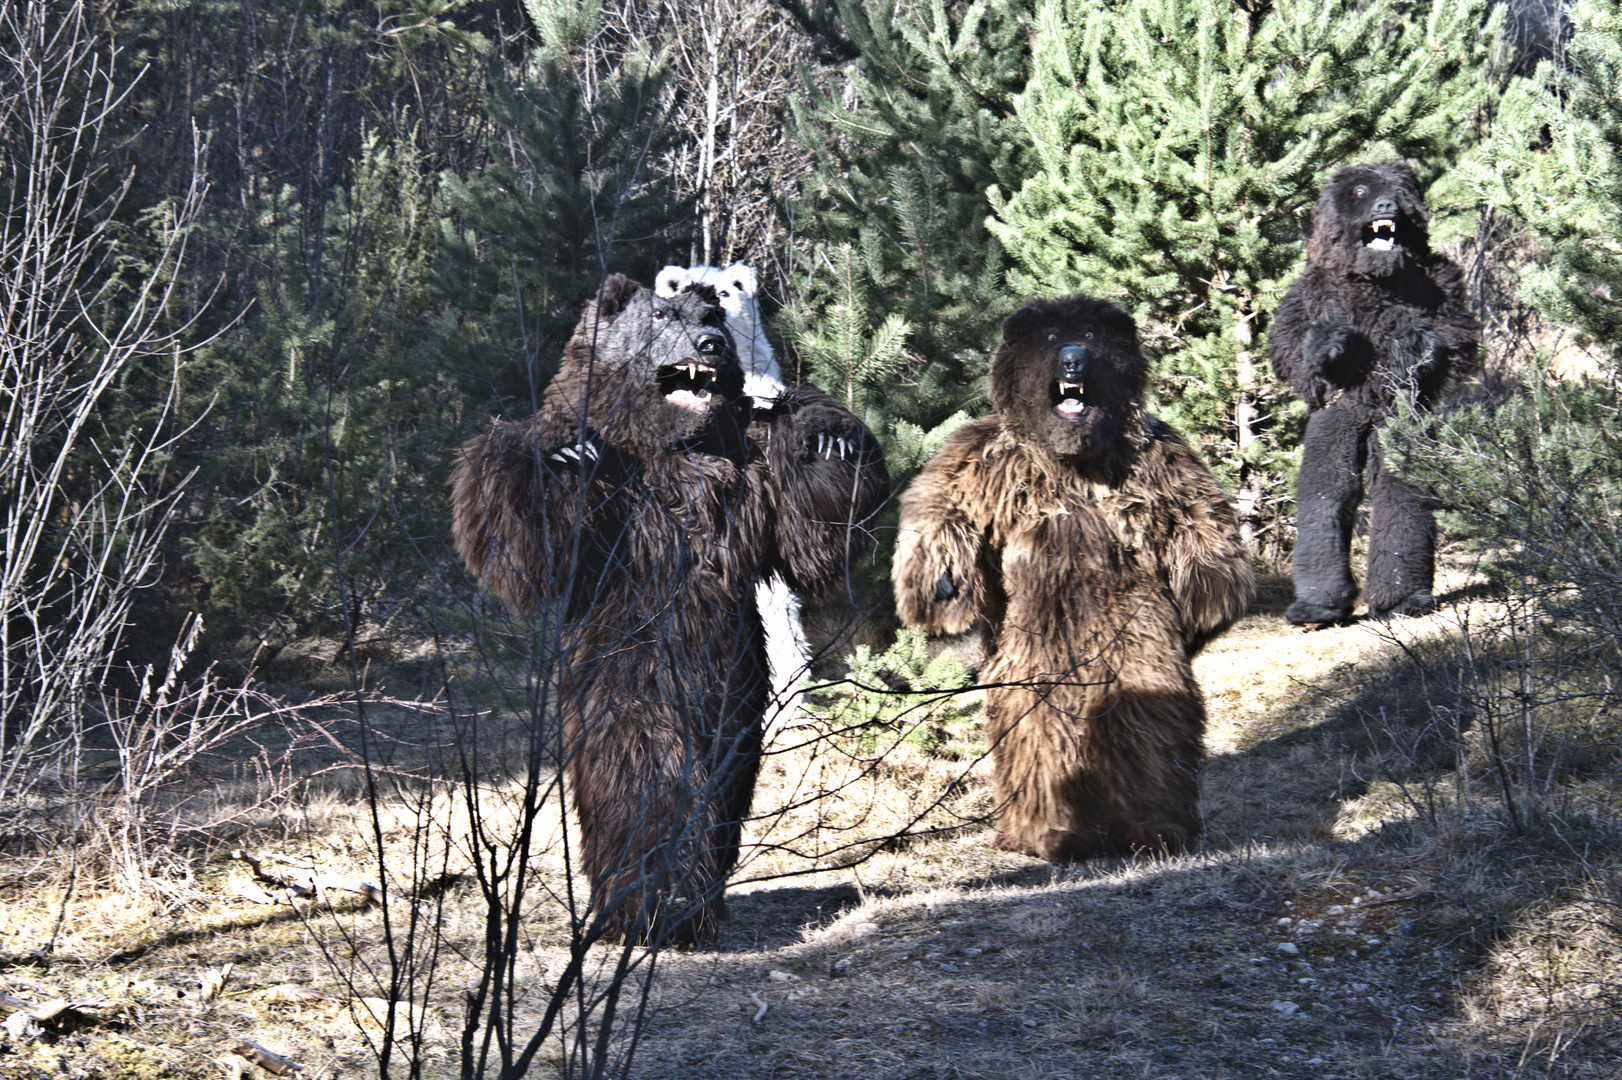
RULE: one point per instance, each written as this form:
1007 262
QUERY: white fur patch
668 282
788 654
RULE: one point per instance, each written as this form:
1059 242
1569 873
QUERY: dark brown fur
1360 329
651 523
1098 555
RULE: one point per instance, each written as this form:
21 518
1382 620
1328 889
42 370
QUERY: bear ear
1402 173
742 278
1020 322
615 294
1413 202
668 282
1115 318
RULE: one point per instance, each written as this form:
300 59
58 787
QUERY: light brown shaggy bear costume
1099 555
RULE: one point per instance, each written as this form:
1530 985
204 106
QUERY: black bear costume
1375 316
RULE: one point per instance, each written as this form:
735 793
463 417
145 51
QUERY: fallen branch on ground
300 881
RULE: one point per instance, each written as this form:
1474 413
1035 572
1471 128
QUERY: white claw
566 454
844 448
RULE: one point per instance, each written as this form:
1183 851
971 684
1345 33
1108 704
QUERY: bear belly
1094 718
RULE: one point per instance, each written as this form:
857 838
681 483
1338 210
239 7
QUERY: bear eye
725 293
1053 336
1089 334
1360 191
658 314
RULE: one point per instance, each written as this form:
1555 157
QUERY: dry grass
1332 926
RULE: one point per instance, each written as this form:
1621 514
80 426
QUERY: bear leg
660 821
1046 807
788 654
1123 781
1402 546
1333 456
1150 747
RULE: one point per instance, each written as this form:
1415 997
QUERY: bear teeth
1070 402
687 384
1385 234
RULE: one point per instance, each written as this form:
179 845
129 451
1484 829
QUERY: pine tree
1534 482
328 402
905 144
1555 163
570 195
1176 148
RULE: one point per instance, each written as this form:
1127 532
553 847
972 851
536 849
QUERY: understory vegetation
280 790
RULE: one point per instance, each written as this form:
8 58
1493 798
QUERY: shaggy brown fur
1098 554
1375 316
643 499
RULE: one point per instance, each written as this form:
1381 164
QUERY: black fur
1365 324
650 505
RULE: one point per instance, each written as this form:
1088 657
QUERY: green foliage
568 197
849 356
904 146
327 405
1535 486
911 447
1176 149
928 708
1553 162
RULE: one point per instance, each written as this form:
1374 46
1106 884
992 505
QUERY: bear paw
1420 603
1305 613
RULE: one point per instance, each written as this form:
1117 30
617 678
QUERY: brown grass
1332 925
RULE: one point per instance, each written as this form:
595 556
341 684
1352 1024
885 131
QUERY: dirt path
1303 940
1286 948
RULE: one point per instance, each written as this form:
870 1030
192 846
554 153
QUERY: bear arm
1456 329
517 506
939 567
1202 554
1303 341
827 478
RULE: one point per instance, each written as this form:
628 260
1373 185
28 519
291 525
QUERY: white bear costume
788 654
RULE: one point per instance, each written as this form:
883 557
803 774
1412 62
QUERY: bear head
650 371
1068 375
734 286
1370 221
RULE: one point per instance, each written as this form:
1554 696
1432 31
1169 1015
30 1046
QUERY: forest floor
1342 918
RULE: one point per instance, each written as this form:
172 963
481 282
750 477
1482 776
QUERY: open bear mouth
687 384
1382 234
1068 403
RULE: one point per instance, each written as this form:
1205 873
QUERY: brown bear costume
649 499
1099 555
1374 316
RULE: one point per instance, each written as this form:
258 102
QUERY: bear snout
1073 361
